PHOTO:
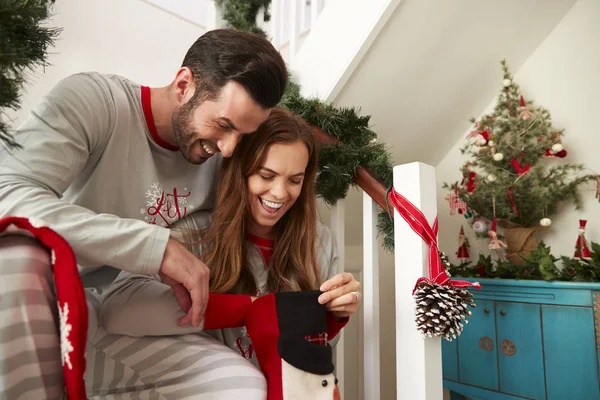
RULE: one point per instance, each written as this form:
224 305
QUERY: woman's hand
341 295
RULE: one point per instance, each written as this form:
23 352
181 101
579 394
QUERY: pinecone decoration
441 309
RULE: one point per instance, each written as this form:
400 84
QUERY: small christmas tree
23 46
509 176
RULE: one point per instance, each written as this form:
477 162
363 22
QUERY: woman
263 236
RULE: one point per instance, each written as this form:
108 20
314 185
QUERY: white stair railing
370 304
291 22
337 225
418 360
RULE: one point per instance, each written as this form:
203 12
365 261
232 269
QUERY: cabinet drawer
537 295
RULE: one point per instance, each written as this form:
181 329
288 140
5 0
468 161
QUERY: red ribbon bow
418 223
520 169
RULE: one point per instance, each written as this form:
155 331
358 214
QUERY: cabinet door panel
569 344
450 360
520 357
477 358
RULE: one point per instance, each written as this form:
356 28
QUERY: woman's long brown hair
293 265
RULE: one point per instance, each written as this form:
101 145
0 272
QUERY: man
109 165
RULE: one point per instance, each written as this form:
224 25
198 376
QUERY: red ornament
520 169
582 249
463 250
560 154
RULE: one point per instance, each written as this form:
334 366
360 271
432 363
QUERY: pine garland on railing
358 143
23 46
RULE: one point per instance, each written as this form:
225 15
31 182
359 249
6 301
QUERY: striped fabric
30 359
191 366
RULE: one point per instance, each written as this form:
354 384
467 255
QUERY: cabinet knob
502 312
486 310
508 347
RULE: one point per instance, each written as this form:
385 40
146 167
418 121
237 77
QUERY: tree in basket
512 176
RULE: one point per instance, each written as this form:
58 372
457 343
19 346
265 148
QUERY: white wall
126 37
562 75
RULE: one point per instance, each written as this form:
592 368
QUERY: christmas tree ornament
483 138
560 154
468 214
491 143
491 178
498 157
463 246
545 221
557 147
524 112
495 243
507 82
480 226
582 248
455 203
520 169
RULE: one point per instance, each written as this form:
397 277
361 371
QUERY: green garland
540 265
338 162
23 46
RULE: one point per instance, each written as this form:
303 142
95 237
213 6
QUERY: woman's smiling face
275 186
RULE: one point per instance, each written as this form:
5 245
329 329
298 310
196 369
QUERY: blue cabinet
527 340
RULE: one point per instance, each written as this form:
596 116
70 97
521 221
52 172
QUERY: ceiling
433 66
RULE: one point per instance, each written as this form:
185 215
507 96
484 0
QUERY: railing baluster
295 13
418 360
370 300
337 228
275 22
315 9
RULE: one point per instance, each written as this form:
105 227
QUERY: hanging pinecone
441 309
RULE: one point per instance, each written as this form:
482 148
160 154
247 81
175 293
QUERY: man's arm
141 305
73 121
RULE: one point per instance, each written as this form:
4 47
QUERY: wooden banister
364 178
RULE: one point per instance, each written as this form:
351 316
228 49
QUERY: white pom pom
498 157
557 147
545 222
507 82
481 141
491 143
491 178
480 226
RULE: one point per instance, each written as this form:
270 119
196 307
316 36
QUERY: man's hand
188 276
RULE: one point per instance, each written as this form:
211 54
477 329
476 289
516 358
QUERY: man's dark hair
223 55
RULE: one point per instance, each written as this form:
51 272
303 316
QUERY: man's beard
184 133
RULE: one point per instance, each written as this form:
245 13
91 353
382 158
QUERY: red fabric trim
226 310
265 246
263 329
70 298
335 325
147 108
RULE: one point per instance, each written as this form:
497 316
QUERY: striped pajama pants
192 366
